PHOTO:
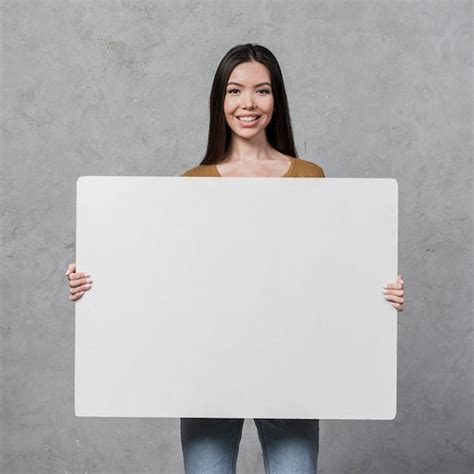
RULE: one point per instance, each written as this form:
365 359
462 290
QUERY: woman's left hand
394 292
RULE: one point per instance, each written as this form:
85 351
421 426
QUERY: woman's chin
247 132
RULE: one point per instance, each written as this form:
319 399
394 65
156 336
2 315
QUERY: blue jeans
211 445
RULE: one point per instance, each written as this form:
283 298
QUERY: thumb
71 268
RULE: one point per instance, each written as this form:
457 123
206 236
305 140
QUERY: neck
249 150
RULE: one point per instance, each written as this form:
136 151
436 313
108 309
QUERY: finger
394 292
400 279
395 286
397 299
79 275
80 288
70 269
79 282
76 296
398 306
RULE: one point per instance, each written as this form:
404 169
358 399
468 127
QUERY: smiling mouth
248 119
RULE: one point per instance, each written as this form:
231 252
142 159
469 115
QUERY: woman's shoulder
309 169
201 170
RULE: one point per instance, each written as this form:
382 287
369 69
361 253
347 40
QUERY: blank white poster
236 297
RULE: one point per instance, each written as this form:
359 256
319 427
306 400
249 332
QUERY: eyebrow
257 85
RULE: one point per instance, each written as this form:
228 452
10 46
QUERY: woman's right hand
79 283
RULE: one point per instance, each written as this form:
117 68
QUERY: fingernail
87 274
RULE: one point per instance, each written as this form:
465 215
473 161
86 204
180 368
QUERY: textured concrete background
376 89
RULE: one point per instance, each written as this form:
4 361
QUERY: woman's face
248 92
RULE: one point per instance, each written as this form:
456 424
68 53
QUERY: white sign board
236 297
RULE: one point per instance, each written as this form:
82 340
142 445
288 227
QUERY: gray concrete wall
376 89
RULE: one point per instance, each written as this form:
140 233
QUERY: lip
248 124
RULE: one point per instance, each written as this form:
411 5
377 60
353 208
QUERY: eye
266 91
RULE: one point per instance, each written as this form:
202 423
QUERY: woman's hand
79 283
394 292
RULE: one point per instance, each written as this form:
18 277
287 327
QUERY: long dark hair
279 132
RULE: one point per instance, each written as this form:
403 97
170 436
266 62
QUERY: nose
248 102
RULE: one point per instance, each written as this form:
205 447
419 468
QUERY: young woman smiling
250 134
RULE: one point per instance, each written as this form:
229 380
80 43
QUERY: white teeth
247 119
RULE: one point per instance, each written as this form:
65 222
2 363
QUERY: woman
249 135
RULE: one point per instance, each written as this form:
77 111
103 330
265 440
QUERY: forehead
250 72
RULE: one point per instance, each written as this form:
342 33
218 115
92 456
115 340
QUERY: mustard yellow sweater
299 168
